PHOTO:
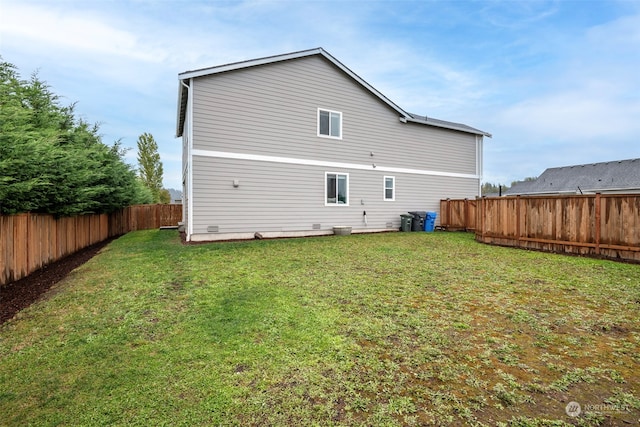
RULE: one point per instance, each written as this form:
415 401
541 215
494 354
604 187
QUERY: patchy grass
388 329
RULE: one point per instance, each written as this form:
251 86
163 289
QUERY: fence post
477 213
518 219
598 222
466 214
448 212
481 225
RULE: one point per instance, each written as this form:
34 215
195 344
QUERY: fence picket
29 242
605 225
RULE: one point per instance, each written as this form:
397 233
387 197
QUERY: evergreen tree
527 179
490 188
150 166
49 161
165 196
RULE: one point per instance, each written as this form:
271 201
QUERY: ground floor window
389 188
337 188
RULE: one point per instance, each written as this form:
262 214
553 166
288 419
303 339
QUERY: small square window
329 124
389 188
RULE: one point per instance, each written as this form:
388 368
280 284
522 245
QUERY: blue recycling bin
430 221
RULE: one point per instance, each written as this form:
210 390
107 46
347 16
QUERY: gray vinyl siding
285 197
272 110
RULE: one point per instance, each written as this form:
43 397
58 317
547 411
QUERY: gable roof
404 116
618 175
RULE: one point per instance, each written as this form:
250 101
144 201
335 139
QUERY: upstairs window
337 188
389 188
329 124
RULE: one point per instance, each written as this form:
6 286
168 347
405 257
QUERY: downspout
188 121
479 161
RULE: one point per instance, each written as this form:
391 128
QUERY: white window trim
325 188
384 189
318 123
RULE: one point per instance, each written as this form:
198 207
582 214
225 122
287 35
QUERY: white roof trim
246 64
449 125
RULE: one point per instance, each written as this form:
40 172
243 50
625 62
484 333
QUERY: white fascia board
326 164
247 64
451 127
178 111
180 107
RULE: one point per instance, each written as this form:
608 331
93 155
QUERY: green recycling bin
405 222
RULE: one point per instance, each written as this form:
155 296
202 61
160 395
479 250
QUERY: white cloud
617 35
417 80
592 93
78 32
576 115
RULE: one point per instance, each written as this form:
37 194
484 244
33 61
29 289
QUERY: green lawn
386 329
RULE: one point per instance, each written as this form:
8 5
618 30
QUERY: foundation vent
213 229
389 225
316 226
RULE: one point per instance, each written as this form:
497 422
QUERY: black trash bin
405 222
417 224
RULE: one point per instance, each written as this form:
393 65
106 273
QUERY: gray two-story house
295 144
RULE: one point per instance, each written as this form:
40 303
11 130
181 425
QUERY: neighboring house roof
614 176
522 187
404 116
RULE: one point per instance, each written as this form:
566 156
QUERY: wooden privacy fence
458 214
601 225
29 242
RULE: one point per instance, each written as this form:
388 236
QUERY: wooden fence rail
602 225
29 242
